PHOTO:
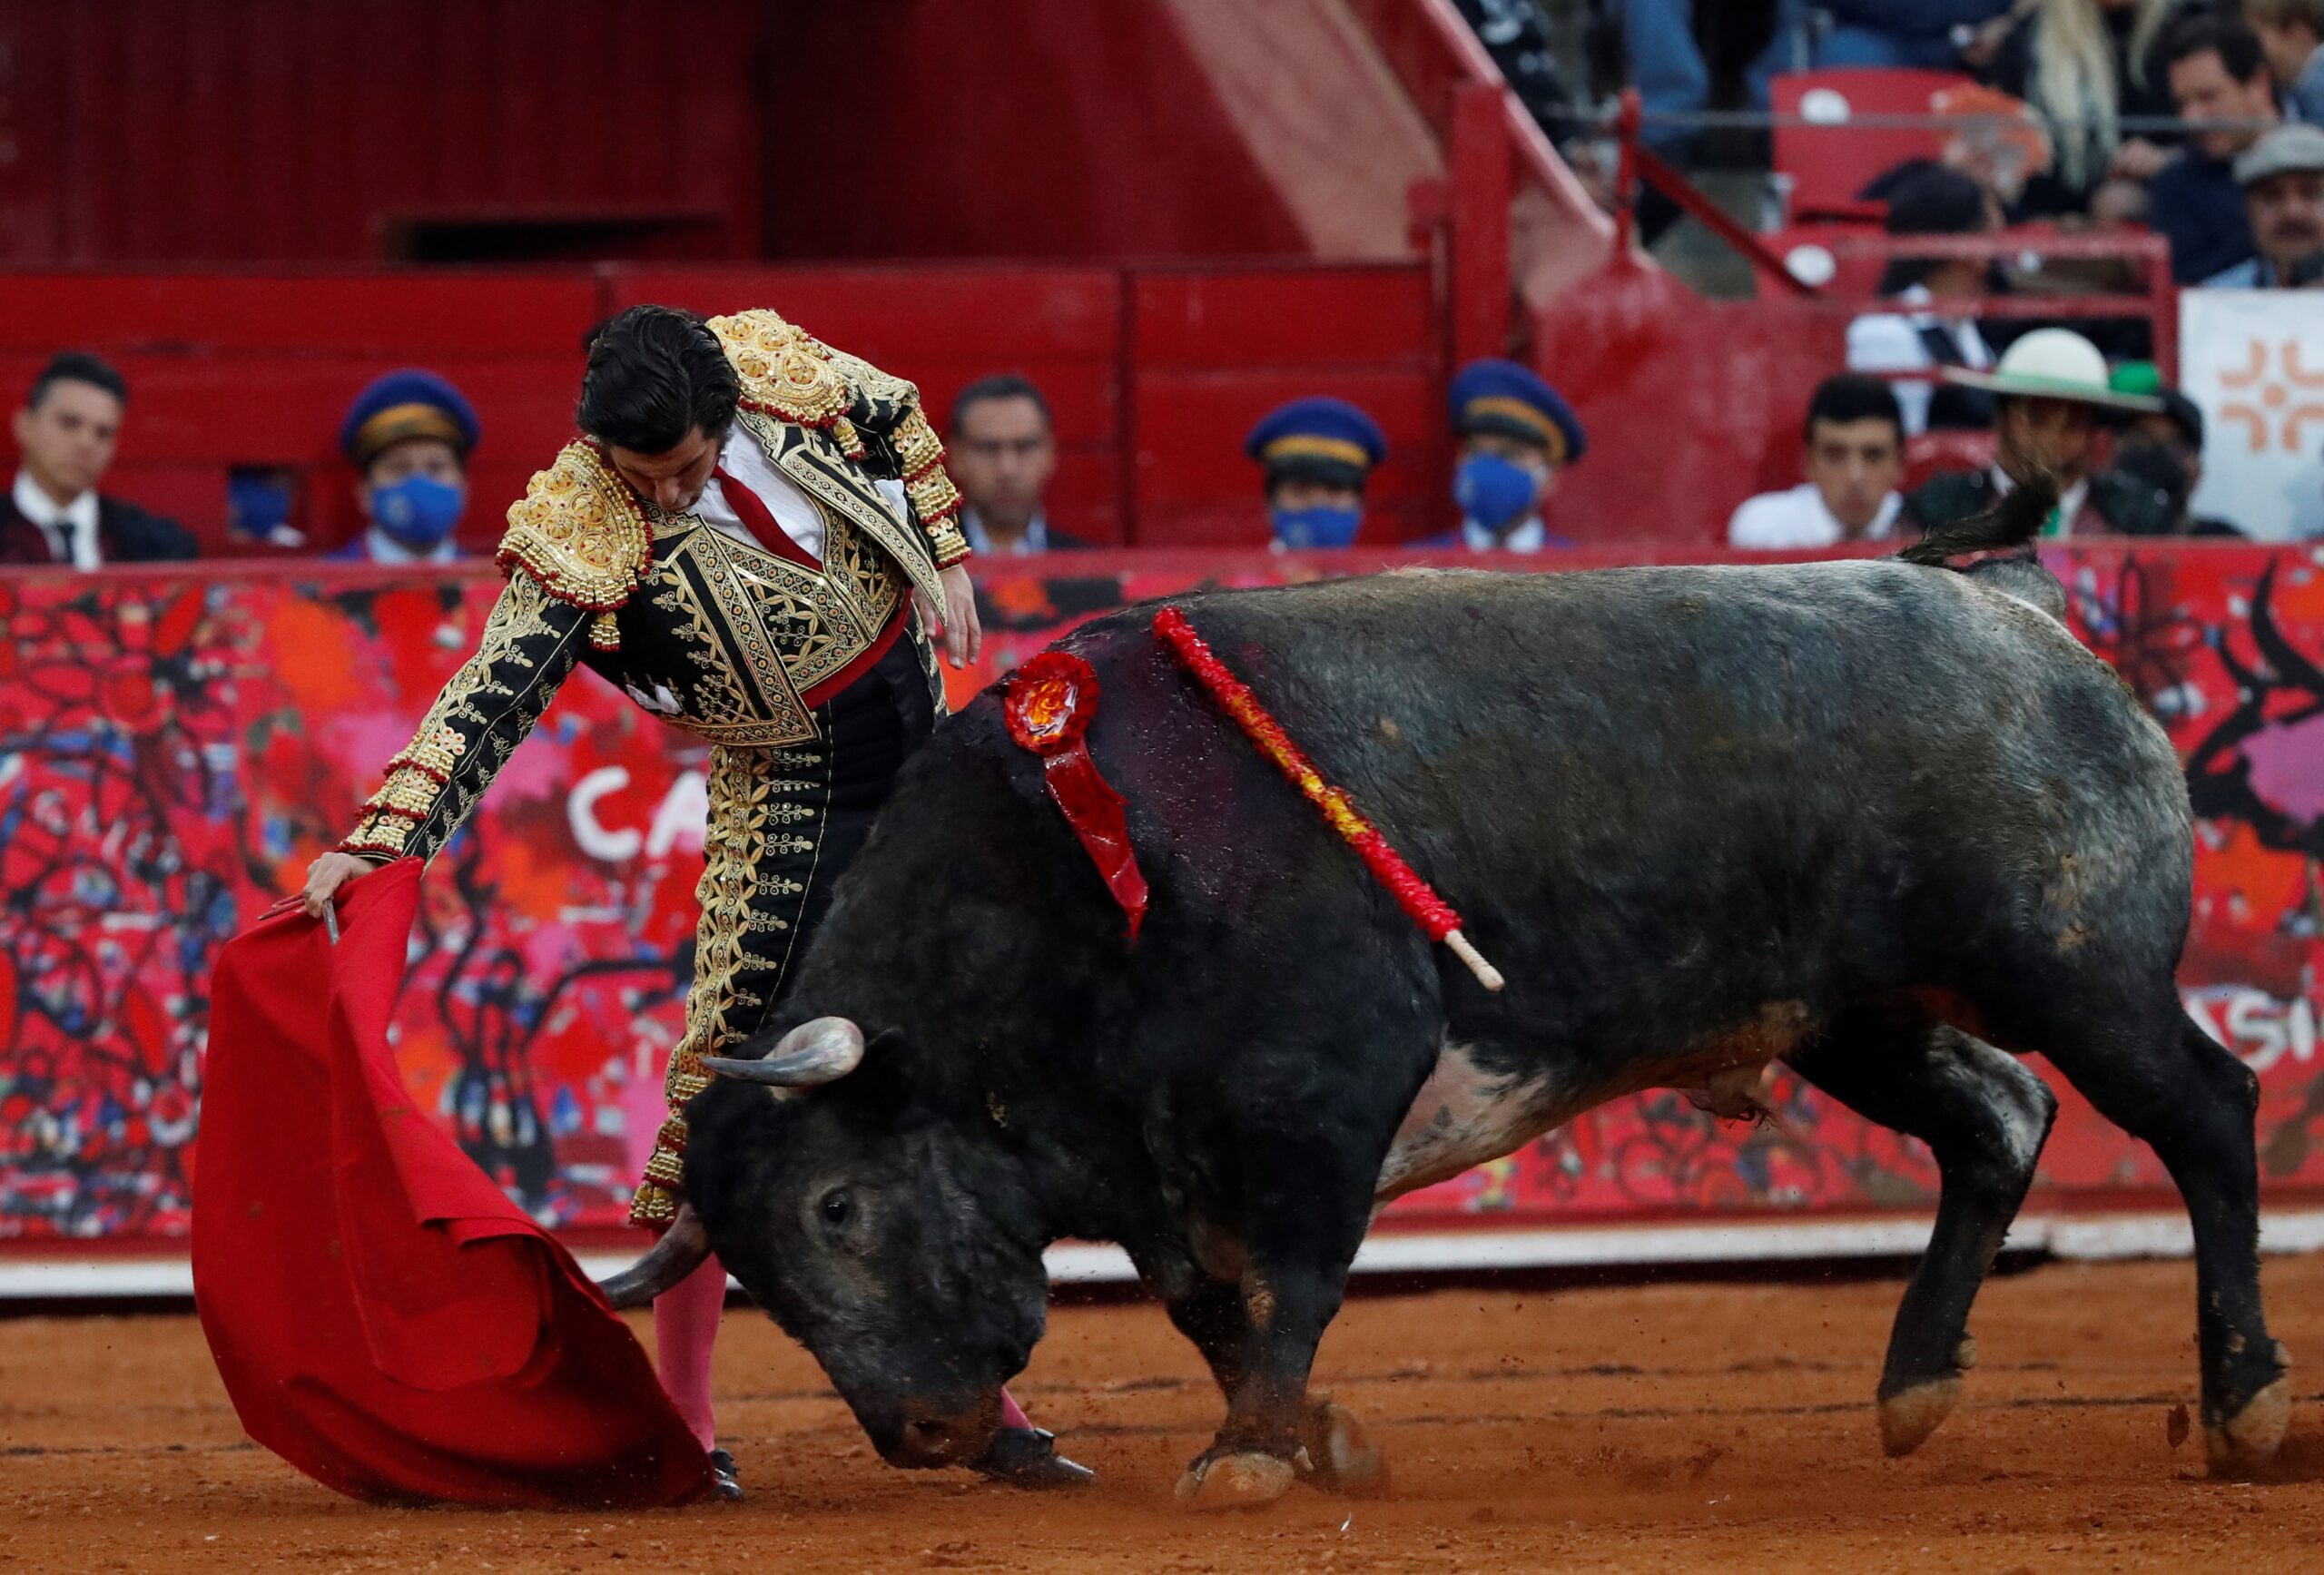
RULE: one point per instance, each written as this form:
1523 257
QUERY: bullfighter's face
881 1238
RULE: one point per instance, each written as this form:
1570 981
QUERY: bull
1884 823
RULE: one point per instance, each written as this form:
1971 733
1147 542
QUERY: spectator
2163 449
1667 68
1996 140
1927 33
65 436
1930 200
2283 176
2084 65
2050 390
1516 433
1003 453
2292 33
2217 72
1854 457
408 436
1317 455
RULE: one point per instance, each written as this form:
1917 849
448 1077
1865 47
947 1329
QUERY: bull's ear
811 1055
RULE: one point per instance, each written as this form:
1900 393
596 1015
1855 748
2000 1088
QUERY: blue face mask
1321 526
1493 491
418 511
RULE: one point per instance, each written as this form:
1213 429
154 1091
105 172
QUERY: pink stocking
1011 1413
685 1327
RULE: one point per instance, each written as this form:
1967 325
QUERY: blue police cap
1322 440
1502 396
409 403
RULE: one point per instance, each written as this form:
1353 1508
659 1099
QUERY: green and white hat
2053 363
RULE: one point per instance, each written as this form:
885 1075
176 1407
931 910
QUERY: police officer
1516 433
408 436
1317 454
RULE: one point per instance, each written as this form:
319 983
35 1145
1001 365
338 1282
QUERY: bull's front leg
1304 1215
1339 1457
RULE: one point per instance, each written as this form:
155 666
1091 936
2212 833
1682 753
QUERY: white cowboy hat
2053 363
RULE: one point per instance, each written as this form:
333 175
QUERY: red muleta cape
384 1318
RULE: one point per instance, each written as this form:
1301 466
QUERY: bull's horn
678 1254
813 1053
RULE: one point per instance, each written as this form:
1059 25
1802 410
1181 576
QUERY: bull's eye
837 1207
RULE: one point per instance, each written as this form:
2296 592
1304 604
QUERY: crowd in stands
2050 403
2202 118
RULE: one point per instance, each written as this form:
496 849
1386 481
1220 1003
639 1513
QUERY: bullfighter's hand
325 875
957 619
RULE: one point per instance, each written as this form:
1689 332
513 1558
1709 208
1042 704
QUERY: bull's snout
944 1436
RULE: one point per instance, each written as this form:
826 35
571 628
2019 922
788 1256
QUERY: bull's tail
2013 521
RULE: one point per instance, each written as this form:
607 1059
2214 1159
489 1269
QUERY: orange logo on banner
2270 395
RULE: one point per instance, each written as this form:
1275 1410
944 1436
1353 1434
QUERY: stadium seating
1829 163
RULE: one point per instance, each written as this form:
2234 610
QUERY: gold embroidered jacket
721 637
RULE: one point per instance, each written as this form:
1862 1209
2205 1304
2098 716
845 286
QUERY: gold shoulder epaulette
578 532
789 374
871 384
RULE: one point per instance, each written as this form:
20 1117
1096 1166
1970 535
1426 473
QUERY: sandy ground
1723 1428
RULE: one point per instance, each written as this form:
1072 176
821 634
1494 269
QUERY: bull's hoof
1908 1416
1345 1460
2253 1435
1236 1481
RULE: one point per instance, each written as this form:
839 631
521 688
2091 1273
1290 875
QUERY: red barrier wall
1154 373
175 747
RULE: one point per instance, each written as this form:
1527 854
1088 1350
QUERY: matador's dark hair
655 373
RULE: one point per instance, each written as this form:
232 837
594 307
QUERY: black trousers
784 824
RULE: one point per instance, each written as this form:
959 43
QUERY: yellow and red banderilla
1436 918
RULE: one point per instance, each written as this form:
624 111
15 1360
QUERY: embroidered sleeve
888 408
531 641
919 455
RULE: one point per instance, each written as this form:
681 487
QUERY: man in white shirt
1854 457
66 434
1929 200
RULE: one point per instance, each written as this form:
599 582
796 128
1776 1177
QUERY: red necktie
761 523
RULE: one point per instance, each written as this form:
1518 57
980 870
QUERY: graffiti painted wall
175 749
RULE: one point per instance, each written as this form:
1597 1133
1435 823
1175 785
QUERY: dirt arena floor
1672 1427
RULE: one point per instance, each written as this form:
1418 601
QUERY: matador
751 537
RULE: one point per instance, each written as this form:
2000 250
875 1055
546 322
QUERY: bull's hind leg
1984 1116
2163 1079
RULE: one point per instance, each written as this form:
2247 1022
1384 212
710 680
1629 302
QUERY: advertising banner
2253 363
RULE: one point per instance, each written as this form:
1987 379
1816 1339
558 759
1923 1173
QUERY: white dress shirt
81 515
1035 539
1782 521
1891 341
793 510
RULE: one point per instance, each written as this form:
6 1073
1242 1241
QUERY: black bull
1868 819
